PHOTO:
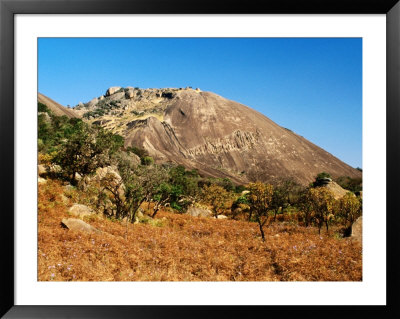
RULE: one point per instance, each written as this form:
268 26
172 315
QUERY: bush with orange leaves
185 248
217 197
259 199
323 203
349 209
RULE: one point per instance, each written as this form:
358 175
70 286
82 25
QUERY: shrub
322 203
260 198
217 197
147 160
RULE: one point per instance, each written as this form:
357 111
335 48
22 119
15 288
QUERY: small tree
322 203
217 197
279 200
162 196
240 206
349 209
112 190
86 149
260 198
306 207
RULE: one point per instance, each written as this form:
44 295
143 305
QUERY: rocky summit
216 136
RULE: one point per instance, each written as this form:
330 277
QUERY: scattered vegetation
103 107
175 247
273 231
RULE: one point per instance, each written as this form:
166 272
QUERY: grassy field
175 247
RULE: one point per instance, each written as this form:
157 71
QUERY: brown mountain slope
219 137
55 107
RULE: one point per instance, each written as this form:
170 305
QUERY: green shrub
147 160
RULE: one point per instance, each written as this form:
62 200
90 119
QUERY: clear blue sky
312 86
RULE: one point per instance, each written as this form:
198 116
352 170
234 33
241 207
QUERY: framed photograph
170 158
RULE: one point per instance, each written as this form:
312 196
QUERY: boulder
222 217
198 212
132 158
112 90
55 169
107 175
356 229
129 93
42 180
78 225
79 210
46 116
93 101
336 189
102 172
42 170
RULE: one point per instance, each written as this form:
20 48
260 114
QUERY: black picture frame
8 9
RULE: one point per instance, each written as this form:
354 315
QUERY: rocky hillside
202 130
55 107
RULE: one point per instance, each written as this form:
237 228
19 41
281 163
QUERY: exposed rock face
78 225
112 90
216 136
56 108
222 138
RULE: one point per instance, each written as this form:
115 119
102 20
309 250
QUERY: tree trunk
155 209
261 230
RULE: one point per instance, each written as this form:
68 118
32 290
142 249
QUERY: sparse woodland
281 231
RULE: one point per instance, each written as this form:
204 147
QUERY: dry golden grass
185 248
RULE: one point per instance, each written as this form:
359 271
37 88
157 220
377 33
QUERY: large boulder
45 116
112 90
78 225
356 229
130 93
102 173
336 189
198 212
42 170
80 210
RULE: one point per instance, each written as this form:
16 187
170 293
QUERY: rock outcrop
222 138
198 212
112 90
78 225
216 136
336 189
56 108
